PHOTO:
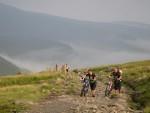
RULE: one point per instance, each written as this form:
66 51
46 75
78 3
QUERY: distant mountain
7 68
43 40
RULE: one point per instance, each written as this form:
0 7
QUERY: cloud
92 10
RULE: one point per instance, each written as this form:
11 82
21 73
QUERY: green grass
136 75
27 79
18 93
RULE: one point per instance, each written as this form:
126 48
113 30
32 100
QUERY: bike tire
107 91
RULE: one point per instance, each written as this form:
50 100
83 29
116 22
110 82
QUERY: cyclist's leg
119 87
93 87
94 91
115 86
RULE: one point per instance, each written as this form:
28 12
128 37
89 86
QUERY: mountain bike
108 88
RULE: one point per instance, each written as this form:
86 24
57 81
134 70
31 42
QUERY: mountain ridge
8 68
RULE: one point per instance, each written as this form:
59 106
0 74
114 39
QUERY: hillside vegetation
136 76
20 92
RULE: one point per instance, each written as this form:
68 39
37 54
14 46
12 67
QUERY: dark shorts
93 85
117 85
67 70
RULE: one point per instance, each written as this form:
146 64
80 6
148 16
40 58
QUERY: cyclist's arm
120 78
94 78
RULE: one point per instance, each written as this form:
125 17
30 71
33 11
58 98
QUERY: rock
100 111
86 111
94 111
112 105
77 109
88 101
114 111
94 107
130 110
104 107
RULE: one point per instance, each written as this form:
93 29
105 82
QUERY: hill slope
61 89
7 68
137 77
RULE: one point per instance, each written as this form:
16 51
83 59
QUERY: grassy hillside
21 92
18 93
7 67
136 75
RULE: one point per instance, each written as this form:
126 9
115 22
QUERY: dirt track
77 104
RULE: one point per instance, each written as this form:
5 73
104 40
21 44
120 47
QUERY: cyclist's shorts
93 85
117 84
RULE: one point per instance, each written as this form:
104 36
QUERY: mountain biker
117 78
92 78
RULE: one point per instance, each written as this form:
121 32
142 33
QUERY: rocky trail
77 104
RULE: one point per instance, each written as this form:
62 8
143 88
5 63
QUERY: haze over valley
36 41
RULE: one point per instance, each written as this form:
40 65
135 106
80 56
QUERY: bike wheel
106 91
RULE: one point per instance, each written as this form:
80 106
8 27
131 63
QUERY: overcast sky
92 10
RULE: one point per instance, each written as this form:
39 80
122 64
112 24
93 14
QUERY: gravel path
77 104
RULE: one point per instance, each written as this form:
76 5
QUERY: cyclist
93 82
117 78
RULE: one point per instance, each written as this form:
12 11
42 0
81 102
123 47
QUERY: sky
89 10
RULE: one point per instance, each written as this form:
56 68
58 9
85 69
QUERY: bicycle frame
108 88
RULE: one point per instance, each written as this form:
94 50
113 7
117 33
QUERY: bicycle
108 88
85 87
